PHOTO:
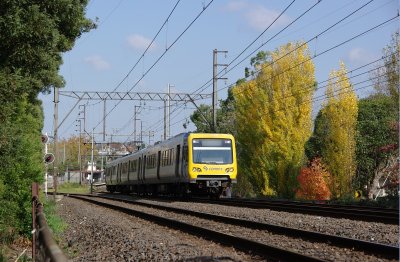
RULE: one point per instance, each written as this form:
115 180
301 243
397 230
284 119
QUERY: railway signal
45 138
48 158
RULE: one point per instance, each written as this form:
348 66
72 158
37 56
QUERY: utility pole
55 167
141 134
45 177
91 171
84 116
79 152
215 89
167 113
134 125
104 134
104 120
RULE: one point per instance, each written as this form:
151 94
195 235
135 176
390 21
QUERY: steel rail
355 213
325 204
239 243
383 250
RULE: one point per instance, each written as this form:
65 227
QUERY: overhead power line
312 39
208 83
148 47
162 55
321 53
249 45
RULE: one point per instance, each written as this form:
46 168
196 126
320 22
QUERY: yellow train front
212 163
189 163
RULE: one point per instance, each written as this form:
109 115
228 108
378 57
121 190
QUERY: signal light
45 139
48 158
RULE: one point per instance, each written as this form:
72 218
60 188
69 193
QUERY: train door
129 168
139 170
177 159
114 174
185 158
118 173
144 168
158 164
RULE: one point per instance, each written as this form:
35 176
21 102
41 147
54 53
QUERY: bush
313 182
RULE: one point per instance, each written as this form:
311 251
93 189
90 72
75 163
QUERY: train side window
124 168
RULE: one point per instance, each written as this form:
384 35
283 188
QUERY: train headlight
229 169
196 169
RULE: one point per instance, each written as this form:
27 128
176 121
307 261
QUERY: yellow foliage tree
340 112
273 114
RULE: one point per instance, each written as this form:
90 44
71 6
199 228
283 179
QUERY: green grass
73 188
56 224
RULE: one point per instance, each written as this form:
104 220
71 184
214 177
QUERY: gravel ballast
131 239
99 234
311 248
367 231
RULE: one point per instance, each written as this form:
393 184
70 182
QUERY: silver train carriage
189 163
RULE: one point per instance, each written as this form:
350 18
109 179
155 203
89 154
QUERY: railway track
248 245
361 213
370 214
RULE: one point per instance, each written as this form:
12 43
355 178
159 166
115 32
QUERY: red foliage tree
313 182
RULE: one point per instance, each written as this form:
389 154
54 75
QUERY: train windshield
212 151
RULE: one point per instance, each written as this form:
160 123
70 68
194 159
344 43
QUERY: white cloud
234 6
360 55
140 42
260 18
97 62
257 16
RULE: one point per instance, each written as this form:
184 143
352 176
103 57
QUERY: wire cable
162 55
249 45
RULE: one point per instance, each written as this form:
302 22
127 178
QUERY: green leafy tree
202 119
314 146
375 129
33 35
386 78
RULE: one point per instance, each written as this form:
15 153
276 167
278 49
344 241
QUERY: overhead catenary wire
310 40
148 46
325 51
249 45
313 57
162 55
315 99
208 83
324 96
329 49
321 97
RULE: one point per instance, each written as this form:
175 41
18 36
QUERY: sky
114 56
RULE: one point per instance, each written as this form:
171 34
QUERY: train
187 164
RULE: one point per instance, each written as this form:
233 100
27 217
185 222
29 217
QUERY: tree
33 35
225 117
201 118
70 149
386 78
273 119
314 146
375 129
340 113
314 181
